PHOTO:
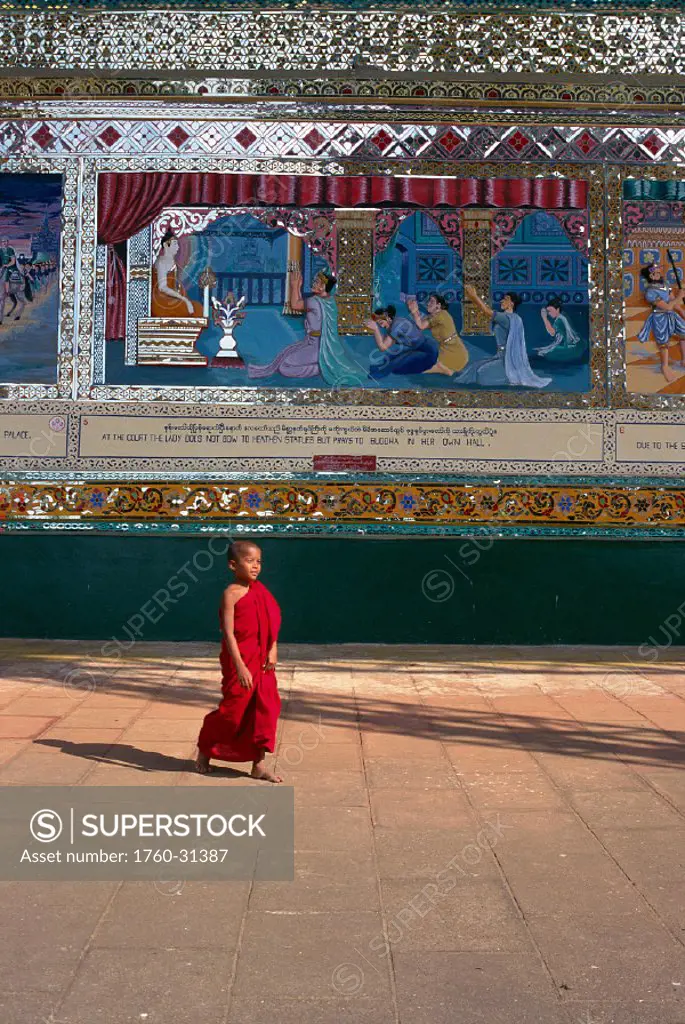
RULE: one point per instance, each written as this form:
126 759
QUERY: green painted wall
344 590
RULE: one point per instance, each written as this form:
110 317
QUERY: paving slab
475 987
27 1007
331 789
579 774
644 809
638 1011
306 954
654 861
471 755
394 773
189 915
668 782
493 834
465 853
317 755
491 791
652 976
430 808
406 747
334 828
85 716
149 986
446 914
599 933
47 926
47 766
332 880
355 1010
17 727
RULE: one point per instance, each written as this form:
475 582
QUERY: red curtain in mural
127 203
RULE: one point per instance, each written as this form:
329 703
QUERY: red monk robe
244 724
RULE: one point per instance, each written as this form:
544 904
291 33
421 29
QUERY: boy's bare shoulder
233 592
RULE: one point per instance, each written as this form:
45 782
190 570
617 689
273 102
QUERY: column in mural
476 264
294 273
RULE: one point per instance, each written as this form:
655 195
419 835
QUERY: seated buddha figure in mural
322 353
510 364
168 296
667 318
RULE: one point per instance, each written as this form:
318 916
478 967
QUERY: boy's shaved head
241 547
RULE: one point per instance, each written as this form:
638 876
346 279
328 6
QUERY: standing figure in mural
321 353
452 354
510 365
667 319
17 287
405 348
168 296
6 254
567 346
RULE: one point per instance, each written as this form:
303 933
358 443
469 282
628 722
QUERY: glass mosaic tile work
418 273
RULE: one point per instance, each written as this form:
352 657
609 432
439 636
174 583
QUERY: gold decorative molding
476 266
247 504
355 269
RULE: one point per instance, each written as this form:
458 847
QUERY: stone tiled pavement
482 835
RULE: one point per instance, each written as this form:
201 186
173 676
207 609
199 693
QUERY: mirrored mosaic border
498 99
415 41
116 130
428 6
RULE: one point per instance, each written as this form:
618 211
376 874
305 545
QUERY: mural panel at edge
30 228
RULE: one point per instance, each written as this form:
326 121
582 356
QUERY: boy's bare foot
259 771
668 373
202 765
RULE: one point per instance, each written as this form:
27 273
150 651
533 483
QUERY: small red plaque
359 463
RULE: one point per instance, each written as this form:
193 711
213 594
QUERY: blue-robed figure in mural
667 318
322 353
510 365
567 346
404 348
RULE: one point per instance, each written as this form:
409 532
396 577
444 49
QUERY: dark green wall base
347 591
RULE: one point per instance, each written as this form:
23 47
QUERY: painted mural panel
653 276
377 283
30 209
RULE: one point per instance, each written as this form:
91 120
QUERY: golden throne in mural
170 341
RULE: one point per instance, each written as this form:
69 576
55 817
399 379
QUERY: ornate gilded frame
595 397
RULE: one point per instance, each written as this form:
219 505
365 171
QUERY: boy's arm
272 658
228 603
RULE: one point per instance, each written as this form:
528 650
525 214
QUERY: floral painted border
409 506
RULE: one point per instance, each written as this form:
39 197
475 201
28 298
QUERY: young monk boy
243 728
